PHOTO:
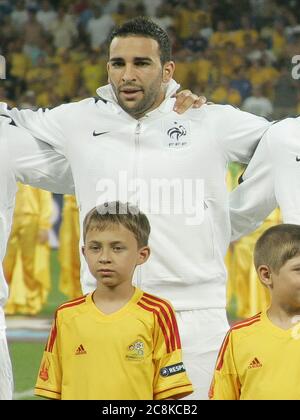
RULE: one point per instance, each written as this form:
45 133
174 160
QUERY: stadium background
235 52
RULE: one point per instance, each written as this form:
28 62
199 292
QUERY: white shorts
6 376
202 332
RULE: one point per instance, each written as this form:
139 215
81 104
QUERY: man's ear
265 275
168 71
107 70
83 250
143 256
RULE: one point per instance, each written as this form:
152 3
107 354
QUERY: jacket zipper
135 176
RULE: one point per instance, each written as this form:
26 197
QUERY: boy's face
113 254
285 285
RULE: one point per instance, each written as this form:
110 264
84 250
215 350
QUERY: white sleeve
238 132
35 162
284 147
254 199
7 196
43 124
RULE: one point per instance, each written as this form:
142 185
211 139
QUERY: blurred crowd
236 52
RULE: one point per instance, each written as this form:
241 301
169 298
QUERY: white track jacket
110 152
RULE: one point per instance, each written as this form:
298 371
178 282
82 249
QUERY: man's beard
146 103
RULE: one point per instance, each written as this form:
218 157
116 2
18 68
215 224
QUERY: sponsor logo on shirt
172 369
95 134
80 350
136 351
254 364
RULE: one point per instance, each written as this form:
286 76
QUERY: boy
117 342
259 358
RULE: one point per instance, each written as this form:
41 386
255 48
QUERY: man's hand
185 99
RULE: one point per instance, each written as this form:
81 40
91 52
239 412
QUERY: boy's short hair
277 245
145 27
114 213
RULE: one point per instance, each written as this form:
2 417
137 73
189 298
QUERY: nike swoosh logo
297 159
99 134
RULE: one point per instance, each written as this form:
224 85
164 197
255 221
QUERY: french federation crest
176 134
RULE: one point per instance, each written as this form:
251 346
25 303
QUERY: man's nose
128 73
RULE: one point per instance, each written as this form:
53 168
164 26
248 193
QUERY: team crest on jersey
176 134
43 374
136 351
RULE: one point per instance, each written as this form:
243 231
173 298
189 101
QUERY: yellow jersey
258 361
131 354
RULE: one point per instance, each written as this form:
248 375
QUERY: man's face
137 75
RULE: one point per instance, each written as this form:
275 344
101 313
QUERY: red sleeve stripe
220 359
72 303
48 390
243 324
173 317
175 387
166 317
246 321
161 324
53 332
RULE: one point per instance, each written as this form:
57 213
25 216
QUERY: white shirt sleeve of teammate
36 163
43 124
238 132
284 148
254 199
7 196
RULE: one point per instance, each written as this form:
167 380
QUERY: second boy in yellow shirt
259 358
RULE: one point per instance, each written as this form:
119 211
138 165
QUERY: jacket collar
106 92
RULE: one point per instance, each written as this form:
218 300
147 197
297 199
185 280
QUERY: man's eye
117 64
118 248
142 63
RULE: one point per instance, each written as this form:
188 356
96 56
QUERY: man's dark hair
276 246
145 27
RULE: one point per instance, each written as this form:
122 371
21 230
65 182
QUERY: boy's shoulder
154 303
247 327
70 307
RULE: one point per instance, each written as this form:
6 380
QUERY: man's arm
35 162
238 132
254 198
43 124
284 151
